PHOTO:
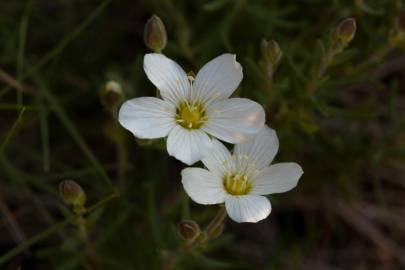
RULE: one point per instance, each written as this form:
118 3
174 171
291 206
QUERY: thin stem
326 61
102 202
11 132
43 120
11 221
21 48
215 223
71 128
10 81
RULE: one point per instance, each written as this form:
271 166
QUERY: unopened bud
271 51
346 30
155 36
111 95
72 193
188 230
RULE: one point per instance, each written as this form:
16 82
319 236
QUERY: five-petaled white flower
193 110
240 180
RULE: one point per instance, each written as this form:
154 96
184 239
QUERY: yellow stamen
190 116
237 184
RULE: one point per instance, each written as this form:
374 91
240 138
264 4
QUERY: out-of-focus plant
328 77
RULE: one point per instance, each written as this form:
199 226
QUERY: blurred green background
345 128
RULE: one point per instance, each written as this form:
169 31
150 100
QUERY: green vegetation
337 104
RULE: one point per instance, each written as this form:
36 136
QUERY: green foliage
340 116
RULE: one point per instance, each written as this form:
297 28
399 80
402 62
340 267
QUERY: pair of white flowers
192 114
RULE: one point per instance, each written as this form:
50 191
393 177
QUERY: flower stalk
73 194
214 225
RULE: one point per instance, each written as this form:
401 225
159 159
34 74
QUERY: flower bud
155 36
72 193
111 95
346 30
271 51
188 230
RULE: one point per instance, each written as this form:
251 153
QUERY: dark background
347 133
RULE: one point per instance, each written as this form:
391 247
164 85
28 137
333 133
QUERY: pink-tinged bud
72 193
188 230
346 30
271 51
155 35
111 95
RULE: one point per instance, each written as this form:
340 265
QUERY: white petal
247 208
167 76
219 159
203 186
217 79
147 117
188 146
277 178
260 150
234 120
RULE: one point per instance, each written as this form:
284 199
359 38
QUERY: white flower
191 110
240 180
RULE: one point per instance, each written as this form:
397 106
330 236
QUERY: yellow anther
237 184
190 117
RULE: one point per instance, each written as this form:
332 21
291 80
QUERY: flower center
237 184
190 116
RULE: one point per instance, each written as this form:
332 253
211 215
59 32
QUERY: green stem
102 202
22 35
71 128
326 61
215 223
11 132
